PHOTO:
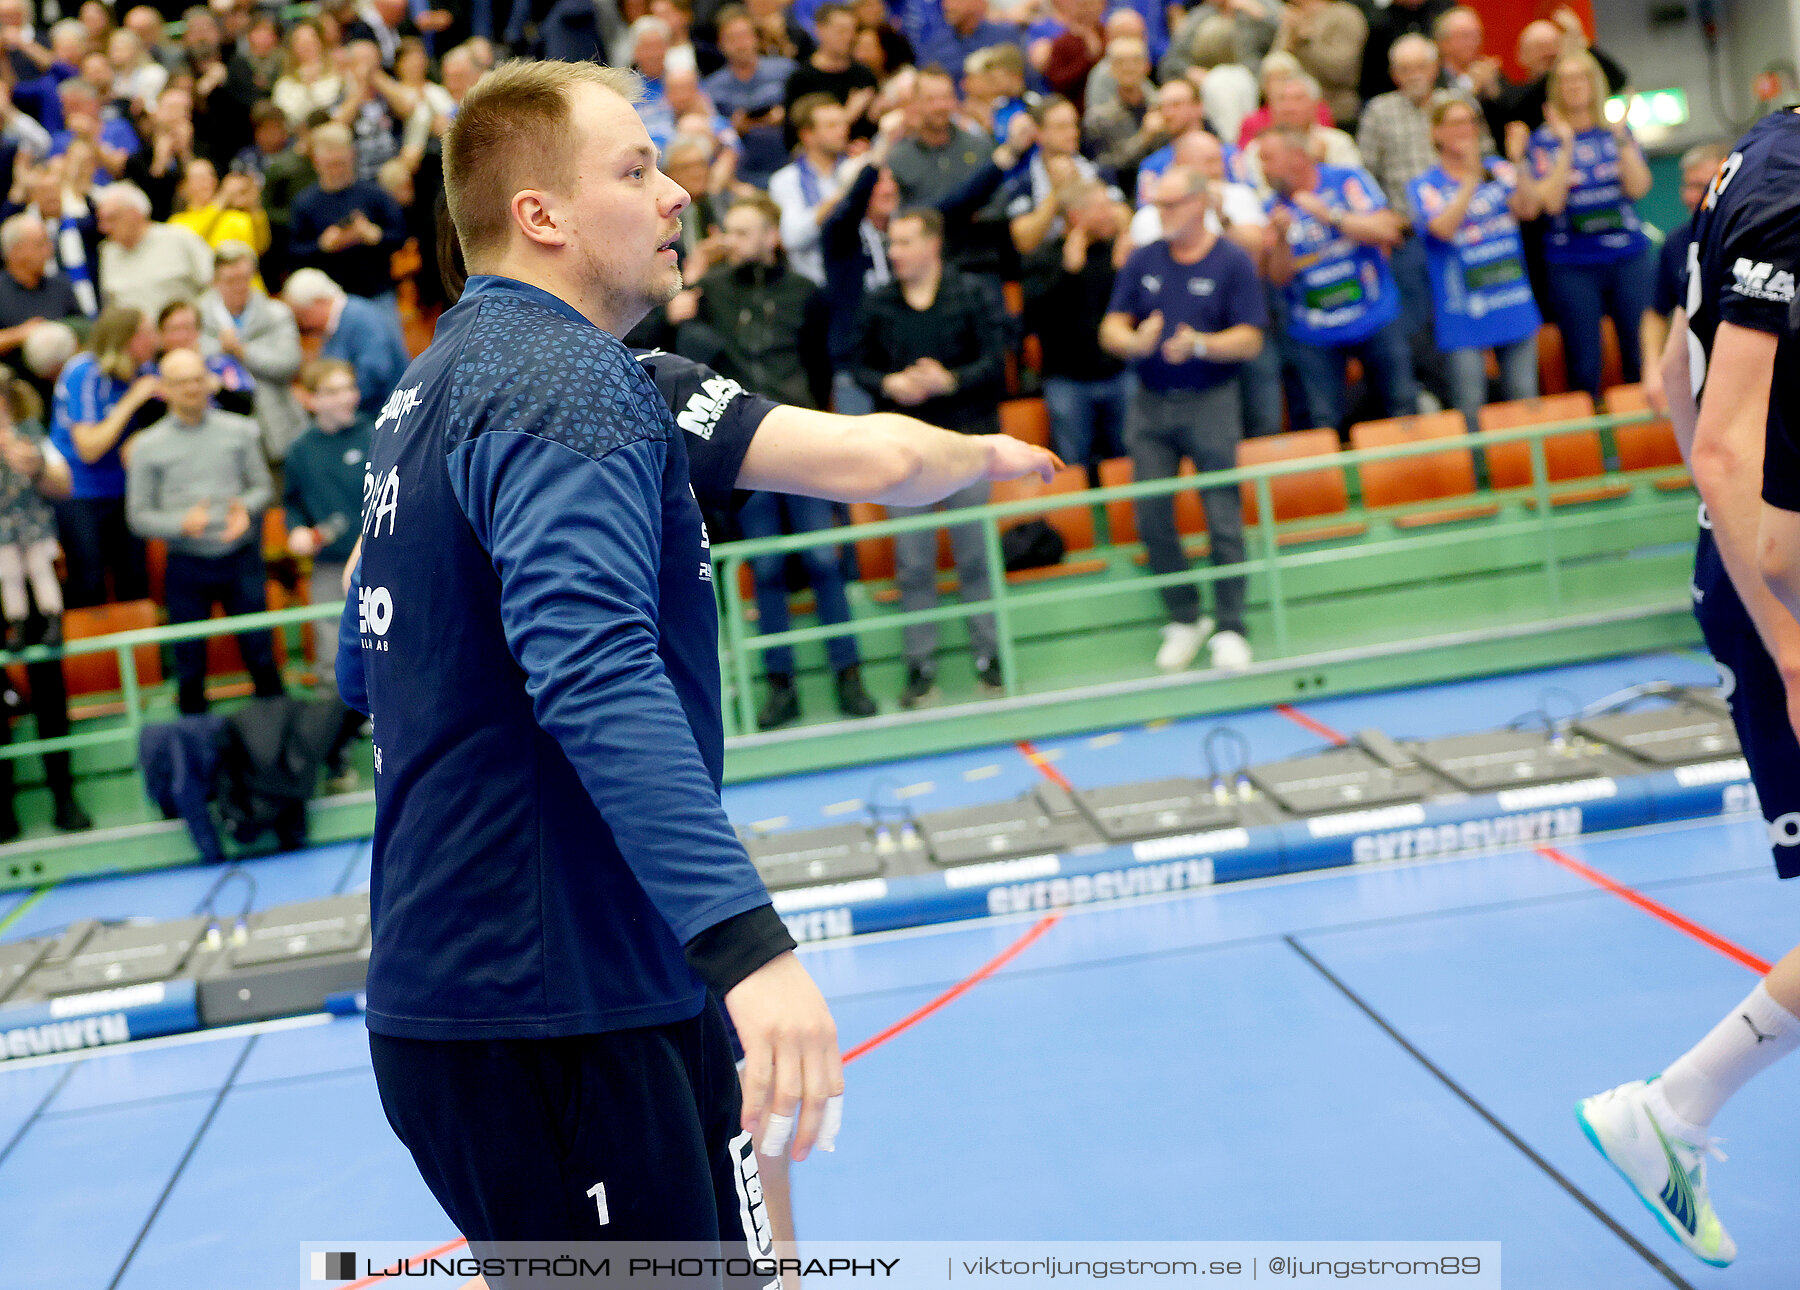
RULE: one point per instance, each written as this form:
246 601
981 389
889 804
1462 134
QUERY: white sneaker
1230 652
1666 1170
1181 644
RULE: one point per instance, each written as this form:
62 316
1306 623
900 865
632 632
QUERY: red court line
1319 728
956 991
1045 767
1710 939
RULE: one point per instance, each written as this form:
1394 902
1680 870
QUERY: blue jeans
193 584
1387 367
1581 295
762 517
1467 370
97 542
848 398
1087 415
1259 387
1412 274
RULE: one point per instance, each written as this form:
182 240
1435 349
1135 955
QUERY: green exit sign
1654 111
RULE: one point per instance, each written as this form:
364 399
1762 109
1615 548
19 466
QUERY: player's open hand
793 1077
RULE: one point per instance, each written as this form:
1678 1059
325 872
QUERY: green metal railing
740 643
124 647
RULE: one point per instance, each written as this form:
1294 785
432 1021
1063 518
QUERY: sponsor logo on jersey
700 415
374 613
399 403
1761 281
381 501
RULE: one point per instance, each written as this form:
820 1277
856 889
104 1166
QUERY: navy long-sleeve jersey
533 631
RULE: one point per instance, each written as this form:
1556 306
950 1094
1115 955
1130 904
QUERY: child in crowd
28 548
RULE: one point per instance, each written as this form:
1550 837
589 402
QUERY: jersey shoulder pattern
579 386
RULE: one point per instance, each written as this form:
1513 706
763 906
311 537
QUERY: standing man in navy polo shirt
557 892
1185 313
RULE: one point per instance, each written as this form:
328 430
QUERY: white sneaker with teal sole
1666 1170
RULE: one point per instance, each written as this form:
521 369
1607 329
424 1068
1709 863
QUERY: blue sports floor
1371 1053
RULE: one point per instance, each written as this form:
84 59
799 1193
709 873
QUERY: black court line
37 1111
101 1108
1499 1126
186 1156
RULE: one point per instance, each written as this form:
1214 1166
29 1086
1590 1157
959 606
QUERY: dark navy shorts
630 1135
1758 700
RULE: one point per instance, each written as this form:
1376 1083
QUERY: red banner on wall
1503 20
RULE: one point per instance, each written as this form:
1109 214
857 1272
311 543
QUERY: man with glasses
1185 312
198 481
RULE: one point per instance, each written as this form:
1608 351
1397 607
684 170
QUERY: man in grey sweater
197 480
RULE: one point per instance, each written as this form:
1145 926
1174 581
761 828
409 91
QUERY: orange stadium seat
1448 474
1576 455
1121 516
1026 419
1074 523
1644 447
99 673
1311 495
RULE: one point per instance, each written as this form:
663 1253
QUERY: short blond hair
313 375
512 132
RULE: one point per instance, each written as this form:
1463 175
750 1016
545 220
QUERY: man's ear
535 214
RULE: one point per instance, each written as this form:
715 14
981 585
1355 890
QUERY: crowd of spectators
1225 219
1209 210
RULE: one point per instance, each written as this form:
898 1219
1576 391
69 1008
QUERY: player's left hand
792 1070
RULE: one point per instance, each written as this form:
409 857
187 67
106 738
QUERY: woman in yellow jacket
227 211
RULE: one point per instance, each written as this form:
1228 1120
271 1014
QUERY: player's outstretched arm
792 1070
885 457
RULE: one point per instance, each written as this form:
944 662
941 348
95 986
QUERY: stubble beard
627 301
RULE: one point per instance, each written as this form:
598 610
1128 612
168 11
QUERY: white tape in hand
834 1120
776 1133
